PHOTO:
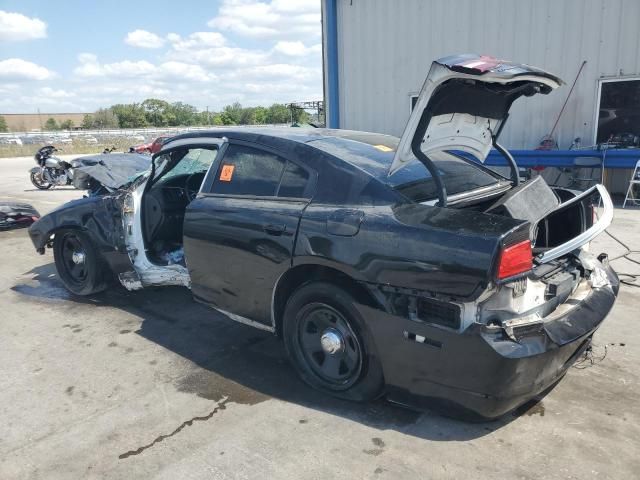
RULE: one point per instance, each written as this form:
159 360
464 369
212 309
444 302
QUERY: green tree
87 122
67 124
261 114
156 111
278 113
217 119
51 124
182 114
130 115
248 116
3 124
204 118
299 115
224 118
105 118
233 114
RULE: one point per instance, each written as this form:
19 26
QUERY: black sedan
397 267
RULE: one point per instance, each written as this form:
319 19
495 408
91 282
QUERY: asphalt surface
152 385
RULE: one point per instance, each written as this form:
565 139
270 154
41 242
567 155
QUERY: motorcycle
51 171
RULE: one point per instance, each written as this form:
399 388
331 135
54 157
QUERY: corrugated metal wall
386 48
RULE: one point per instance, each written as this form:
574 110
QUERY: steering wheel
189 192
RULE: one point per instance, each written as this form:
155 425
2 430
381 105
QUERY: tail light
515 259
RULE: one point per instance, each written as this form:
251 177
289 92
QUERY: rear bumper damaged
482 372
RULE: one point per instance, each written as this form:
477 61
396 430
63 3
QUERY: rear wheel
39 182
327 343
78 262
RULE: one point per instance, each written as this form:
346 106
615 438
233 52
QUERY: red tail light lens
515 259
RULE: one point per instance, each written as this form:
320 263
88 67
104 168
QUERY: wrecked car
396 267
104 173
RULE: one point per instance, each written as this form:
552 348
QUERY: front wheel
78 262
328 344
39 182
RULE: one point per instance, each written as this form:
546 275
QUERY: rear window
414 181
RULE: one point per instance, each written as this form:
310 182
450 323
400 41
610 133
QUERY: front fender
100 217
35 170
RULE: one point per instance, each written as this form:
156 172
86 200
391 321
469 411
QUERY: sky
78 56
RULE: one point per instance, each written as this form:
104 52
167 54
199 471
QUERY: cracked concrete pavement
151 385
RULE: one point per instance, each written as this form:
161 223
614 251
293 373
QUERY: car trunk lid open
463 106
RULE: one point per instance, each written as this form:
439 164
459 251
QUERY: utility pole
39 119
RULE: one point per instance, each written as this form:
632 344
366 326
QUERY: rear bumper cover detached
479 372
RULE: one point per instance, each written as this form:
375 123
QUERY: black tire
37 181
353 371
84 275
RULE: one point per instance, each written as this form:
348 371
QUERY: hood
112 170
464 103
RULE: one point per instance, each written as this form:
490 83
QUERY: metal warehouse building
378 52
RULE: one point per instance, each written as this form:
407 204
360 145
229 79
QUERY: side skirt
239 318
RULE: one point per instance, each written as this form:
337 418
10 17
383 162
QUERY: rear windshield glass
414 181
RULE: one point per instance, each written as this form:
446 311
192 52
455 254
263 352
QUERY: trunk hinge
515 174
416 141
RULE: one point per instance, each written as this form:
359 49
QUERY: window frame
213 174
601 81
212 143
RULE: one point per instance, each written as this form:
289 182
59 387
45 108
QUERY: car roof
372 152
294 134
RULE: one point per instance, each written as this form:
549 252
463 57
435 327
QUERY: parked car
151 147
10 140
388 266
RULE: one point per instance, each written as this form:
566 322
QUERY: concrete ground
152 385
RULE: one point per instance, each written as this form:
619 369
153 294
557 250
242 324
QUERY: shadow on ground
244 364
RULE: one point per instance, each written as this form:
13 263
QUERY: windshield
184 162
414 181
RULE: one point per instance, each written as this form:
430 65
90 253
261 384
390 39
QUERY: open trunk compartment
560 221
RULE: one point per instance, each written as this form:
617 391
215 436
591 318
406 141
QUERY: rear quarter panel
443 251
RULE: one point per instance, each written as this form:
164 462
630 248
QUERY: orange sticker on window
226 173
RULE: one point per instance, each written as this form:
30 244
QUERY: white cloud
215 67
298 73
218 57
126 69
143 39
296 49
18 69
277 19
91 67
15 27
53 93
186 72
196 40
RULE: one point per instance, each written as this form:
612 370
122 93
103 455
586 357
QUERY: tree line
159 113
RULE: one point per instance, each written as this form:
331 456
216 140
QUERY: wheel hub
78 257
332 341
